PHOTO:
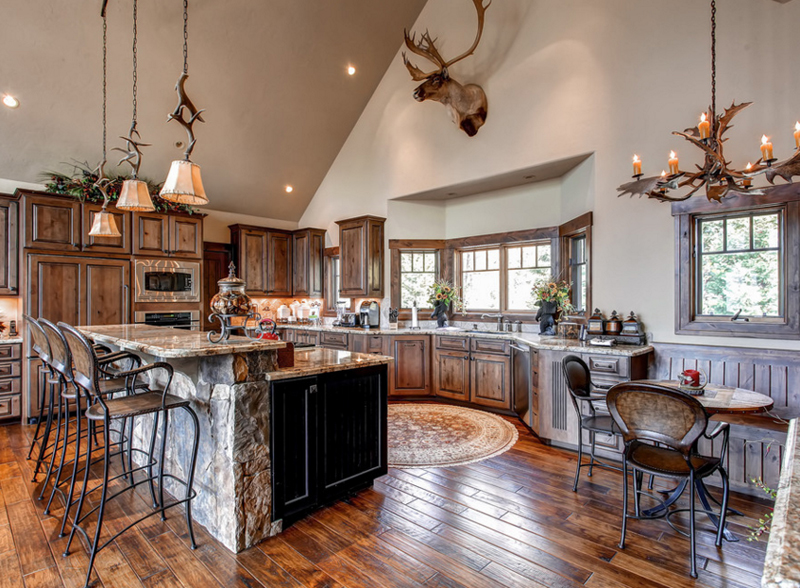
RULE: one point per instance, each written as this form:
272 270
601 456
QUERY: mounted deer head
467 103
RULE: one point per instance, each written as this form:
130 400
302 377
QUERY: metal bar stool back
648 414
137 403
580 387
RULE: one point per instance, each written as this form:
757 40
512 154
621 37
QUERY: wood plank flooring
510 521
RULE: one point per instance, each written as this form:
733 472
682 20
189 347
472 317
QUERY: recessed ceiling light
10 101
351 70
289 189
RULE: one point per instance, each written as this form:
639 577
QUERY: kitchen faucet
499 318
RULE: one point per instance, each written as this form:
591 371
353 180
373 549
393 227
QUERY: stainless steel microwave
166 280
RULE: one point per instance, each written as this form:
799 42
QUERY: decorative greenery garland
80 185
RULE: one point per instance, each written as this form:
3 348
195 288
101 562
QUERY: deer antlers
426 47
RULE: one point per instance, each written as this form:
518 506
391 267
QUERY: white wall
215 225
570 77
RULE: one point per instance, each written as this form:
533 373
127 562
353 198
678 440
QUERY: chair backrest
579 381
84 360
41 346
648 412
60 357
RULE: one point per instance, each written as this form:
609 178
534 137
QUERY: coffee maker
370 314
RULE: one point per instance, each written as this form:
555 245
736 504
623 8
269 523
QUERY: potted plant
443 297
552 298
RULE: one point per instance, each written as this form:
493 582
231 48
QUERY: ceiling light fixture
104 224
10 101
184 184
135 194
719 179
351 70
289 189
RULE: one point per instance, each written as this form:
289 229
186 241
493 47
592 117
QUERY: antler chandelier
716 174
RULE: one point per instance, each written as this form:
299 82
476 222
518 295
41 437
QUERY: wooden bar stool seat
136 405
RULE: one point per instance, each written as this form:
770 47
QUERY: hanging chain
105 45
185 36
714 60
135 4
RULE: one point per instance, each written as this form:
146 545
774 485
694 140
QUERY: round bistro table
716 399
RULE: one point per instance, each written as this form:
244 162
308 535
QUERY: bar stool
646 414
580 386
41 347
61 362
86 376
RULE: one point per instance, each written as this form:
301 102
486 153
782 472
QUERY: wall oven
179 319
166 280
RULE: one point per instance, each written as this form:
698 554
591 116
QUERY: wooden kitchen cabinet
328 438
307 250
410 373
361 256
250 252
473 370
334 340
93 244
279 263
302 336
490 380
451 374
167 235
52 223
9 246
373 344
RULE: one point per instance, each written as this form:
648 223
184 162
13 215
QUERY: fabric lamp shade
135 196
184 184
104 225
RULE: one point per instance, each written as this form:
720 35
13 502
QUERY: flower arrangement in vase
443 297
552 298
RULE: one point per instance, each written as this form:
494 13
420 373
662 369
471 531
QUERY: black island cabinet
328 438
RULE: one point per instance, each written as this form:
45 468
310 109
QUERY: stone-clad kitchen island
274 442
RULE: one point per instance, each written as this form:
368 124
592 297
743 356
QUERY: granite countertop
318 360
171 343
782 563
533 340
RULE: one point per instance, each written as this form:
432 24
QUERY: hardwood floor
509 521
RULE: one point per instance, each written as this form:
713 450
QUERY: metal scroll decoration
716 174
227 328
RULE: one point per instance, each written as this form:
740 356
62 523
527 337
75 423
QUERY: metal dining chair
646 414
579 385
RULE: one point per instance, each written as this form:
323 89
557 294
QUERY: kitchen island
274 443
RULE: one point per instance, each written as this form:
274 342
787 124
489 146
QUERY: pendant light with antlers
135 194
104 224
184 184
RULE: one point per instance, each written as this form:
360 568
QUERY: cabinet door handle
312 389
466 357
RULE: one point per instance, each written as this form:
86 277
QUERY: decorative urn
231 300
614 324
596 323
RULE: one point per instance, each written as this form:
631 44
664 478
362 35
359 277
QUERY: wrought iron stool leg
580 459
76 521
75 461
45 440
624 501
103 496
161 463
61 461
591 455
190 481
150 460
38 425
53 452
724 507
692 491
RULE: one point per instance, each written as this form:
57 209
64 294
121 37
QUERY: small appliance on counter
283 313
349 319
370 314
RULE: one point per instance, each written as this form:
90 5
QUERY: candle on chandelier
673 163
704 126
766 148
747 182
663 174
637 165
797 134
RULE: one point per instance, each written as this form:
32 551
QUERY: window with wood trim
418 272
526 265
576 264
332 276
738 267
480 279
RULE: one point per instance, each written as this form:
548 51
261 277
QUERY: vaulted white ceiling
271 75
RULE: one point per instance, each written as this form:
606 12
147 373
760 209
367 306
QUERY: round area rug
431 435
